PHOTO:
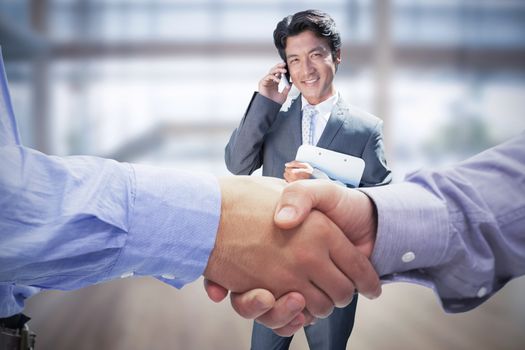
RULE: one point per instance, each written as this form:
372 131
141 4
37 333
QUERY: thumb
253 303
300 197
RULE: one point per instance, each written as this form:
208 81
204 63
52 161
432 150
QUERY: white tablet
338 166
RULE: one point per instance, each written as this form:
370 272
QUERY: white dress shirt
320 120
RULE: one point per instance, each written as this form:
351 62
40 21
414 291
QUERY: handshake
289 254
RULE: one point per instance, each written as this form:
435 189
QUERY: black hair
318 22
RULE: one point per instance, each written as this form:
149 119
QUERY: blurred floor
146 314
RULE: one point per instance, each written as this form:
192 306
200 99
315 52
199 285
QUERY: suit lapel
335 122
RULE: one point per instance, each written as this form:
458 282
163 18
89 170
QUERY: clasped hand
290 254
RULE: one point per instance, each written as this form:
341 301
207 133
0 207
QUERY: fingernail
293 305
286 213
374 295
378 293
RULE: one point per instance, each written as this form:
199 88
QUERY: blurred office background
165 82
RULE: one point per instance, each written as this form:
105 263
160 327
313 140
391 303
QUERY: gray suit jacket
269 137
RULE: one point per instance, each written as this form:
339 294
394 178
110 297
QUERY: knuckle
361 264
304 256
295 189
320 224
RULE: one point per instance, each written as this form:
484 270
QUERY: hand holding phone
285 79
273 85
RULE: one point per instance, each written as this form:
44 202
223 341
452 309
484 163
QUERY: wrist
365 224
277 98
372 233
213 268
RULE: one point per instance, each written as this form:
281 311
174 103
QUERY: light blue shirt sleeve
459 230
68 222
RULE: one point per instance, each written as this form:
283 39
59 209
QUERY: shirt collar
324 108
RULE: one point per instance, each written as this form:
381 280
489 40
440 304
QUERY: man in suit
269 136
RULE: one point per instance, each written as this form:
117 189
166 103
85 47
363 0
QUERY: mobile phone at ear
285 80
287 75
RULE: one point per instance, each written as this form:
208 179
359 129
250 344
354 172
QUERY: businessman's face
311 66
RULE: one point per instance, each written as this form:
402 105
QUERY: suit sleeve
376 171
244 151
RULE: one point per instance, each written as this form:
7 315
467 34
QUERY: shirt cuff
173 224
412 229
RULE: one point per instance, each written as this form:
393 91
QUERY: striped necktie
309 113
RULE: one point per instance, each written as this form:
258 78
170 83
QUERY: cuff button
408 257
